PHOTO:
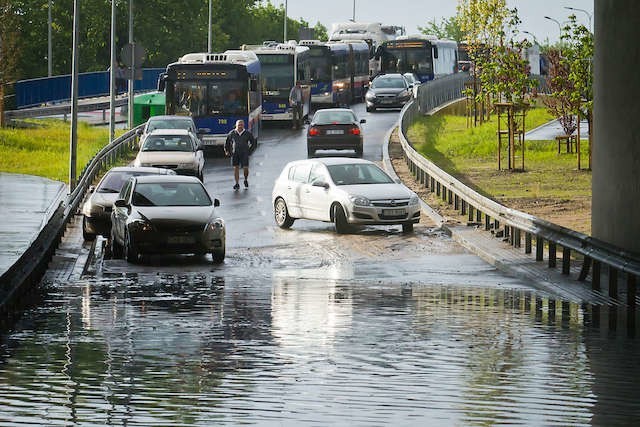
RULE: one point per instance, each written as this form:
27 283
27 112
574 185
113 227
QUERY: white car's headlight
92 210
187 165
370 95
360 200
216 225
414 200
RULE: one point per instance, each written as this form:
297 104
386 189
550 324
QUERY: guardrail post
470 213
478 215
463 207
595 276
613 282
438 188
456 202
566 260
552 254
432 186
487 222
551 310
631 291
449 197
527 243
445 190
566 311
517 238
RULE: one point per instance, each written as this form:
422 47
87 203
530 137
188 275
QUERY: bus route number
222 121
282 105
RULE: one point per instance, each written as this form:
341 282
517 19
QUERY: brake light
313 131
354 130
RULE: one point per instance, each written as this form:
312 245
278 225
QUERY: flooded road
307 327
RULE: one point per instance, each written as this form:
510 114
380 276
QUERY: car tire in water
310 152
340 220
85 234
407 227
130 251
281 214
218 255
359 151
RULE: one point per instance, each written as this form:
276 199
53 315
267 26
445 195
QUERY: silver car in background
96 210
176 149
344 191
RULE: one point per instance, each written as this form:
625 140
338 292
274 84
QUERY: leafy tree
447 28
8 40
559 102
577 56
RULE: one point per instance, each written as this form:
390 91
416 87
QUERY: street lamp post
49 44
581 10
535 40
285 22
557 22
209 27
354 11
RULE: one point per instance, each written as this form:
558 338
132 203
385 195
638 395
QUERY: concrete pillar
616 146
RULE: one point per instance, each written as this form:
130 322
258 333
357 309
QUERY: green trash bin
147 105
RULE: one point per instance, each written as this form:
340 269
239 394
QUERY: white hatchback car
344 191
176 149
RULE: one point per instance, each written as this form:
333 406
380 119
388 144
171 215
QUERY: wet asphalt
307 327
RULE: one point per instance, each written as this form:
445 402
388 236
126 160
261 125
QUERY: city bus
337 72
426 57
216 89
278 65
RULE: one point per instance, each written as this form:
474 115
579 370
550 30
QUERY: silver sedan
344 191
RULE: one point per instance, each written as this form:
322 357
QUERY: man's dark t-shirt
239 143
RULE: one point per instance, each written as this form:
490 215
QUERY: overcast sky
414 13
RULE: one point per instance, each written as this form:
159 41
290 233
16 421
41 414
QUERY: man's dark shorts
240 160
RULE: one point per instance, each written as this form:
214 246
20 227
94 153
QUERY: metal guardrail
26 272
509 223
84 105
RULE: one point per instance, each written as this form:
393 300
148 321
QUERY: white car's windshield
358 173
170 194
168 143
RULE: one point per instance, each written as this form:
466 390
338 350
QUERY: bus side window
253 85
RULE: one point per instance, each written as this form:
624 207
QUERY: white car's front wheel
281 214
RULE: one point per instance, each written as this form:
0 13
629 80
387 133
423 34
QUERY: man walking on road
238 145
295 101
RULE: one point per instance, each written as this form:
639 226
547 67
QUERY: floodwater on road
323 343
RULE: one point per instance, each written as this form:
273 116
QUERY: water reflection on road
199 349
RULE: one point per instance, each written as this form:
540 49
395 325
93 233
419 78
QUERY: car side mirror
139 131
363 120
320 183
307 121
120 203
92 188
216 203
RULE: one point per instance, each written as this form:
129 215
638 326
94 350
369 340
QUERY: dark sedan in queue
335 129
166 214
96 210
387 91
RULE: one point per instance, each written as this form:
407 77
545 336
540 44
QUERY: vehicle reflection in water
199 349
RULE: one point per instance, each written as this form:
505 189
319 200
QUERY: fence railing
26 272
510 224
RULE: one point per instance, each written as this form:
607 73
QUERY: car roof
169 117
335 109
388 75
147 169
328 161
170 132
165 178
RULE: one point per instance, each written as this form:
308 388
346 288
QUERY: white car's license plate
180 240
388 101
335 132
393 212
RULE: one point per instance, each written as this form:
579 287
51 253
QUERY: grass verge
43 149
550 186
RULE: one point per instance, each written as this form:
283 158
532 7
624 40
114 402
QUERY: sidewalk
26 203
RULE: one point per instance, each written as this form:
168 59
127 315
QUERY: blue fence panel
34 92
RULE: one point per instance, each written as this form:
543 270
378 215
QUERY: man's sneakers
236 187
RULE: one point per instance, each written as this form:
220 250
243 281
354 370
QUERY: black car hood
178 215
387 90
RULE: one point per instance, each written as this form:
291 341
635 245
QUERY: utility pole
112 75
209 27
285 22
73 144
49 44
132 77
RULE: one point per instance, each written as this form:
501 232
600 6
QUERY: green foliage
448 28
165 28
44 149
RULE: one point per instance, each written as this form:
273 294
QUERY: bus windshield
320 68
408 60
200 99
277 79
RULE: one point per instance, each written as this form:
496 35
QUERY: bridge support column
616 146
